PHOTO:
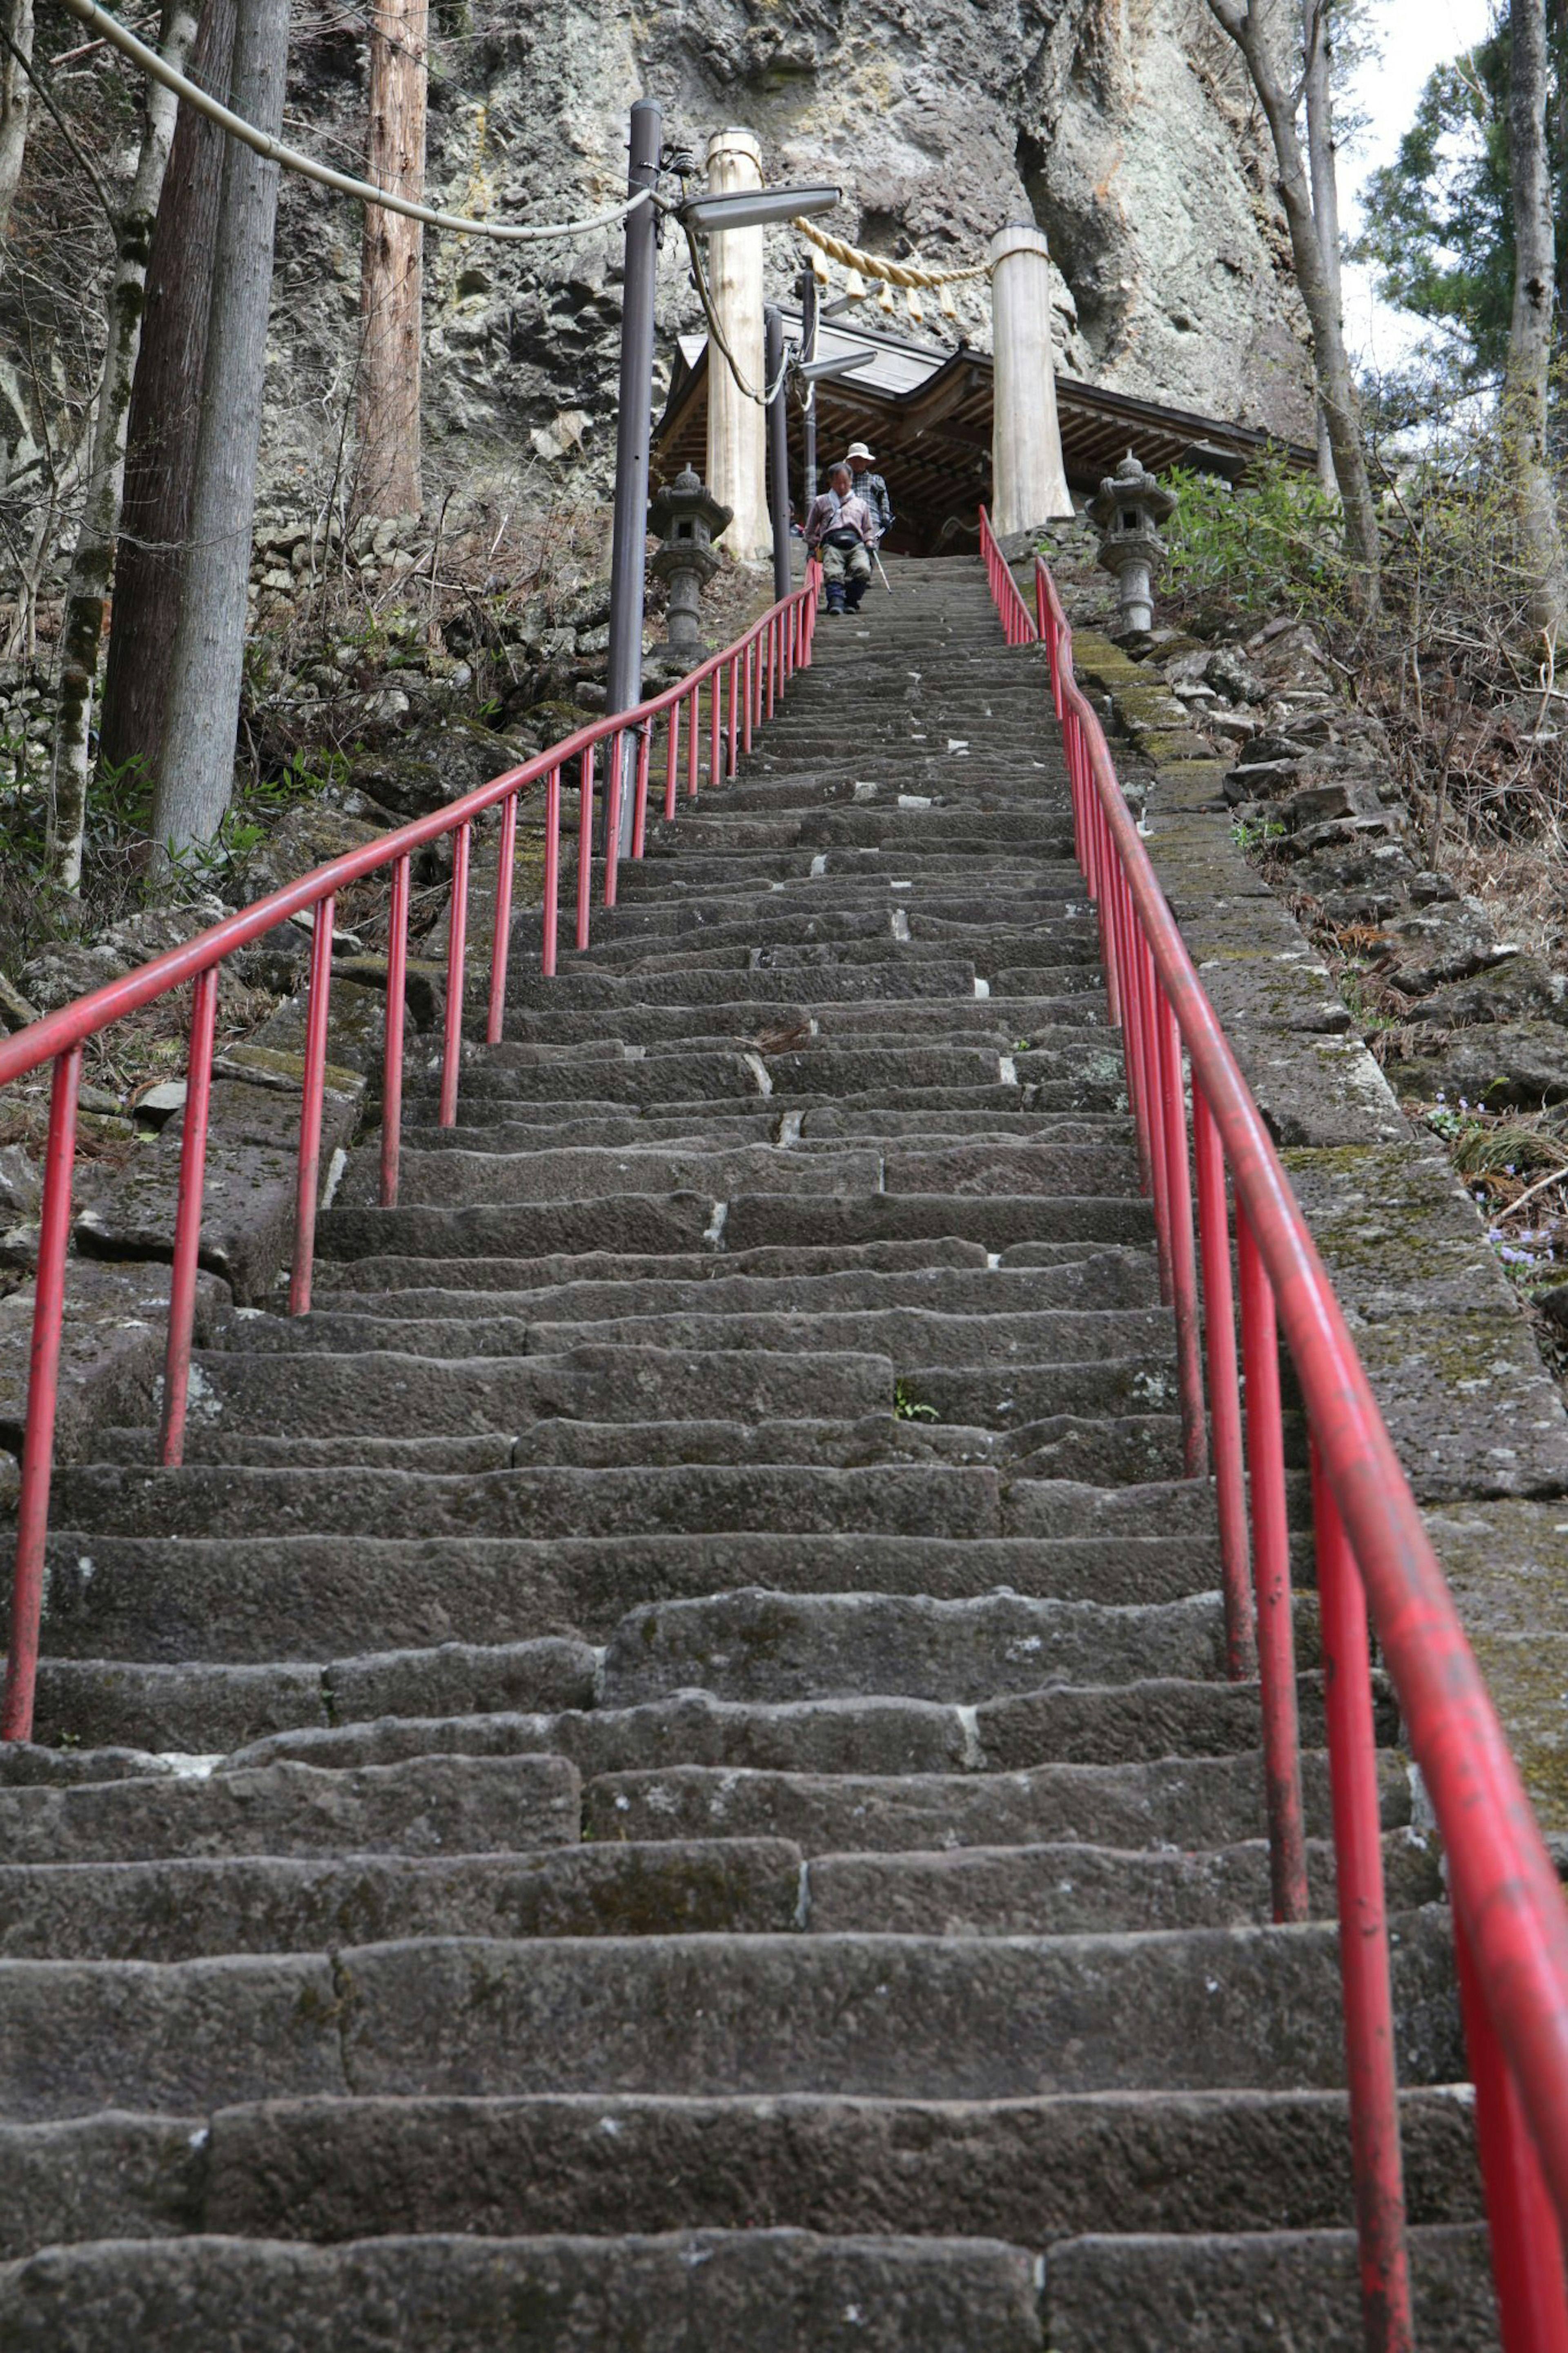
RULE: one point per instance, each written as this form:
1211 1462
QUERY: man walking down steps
664 1777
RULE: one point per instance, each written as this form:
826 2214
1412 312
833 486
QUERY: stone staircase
664 1775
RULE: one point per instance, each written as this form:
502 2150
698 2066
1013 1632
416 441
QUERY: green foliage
909 1408
1273 545
1248 835
1439 218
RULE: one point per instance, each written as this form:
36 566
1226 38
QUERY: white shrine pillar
1028 479
737 427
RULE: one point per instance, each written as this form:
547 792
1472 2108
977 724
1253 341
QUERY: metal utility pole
634 436
778 445
808 302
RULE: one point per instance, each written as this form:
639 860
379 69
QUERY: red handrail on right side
1376 1564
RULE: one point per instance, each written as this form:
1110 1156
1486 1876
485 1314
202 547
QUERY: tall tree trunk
87 588
1530 331
16 98
165 407
196 780
391 272
1332 367
1317 91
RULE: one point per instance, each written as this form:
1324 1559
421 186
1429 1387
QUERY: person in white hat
871 486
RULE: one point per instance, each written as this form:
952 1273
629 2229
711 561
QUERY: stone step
895 1498
743 1019
192 1909
1086 1448
910 1336
569 1074
642 1227
933 2018
1115 1278
784 2292
1090 1108
1092 1724
1264 2293
580 987
256 1599
757 1645
1033 2170
1208 1801
394 1271
433 1804
203 1707
1076 1890
273 1388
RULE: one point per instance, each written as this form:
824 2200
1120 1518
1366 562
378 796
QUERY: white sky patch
1414 37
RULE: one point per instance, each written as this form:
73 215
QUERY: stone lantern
687 518
1128 509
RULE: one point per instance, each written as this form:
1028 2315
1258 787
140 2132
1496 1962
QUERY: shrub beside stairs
664 1774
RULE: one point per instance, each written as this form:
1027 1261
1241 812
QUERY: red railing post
1224 1394
312 1097
586 847
672 763
1526 2236
188 1219
392 1046
640 815
751 665
615 782
456 957
1271 1574
693 733
43 1397
732 705
551 912
1154 1110
1377 2167
1183 1265
714 721
501 946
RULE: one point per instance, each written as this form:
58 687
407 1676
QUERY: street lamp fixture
755 208
819 370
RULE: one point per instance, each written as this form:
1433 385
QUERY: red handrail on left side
768 654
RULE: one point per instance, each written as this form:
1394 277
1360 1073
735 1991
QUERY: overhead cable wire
716 333
291 160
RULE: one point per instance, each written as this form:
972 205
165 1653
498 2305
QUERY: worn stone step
781 2291
1266 2292
1032 2170
744 1018
202 1706
234 1501
1074 1890
1092 1724
936 2018
191 1909
568 1075
1116 1278
452 1177
437 1804
1083 1447
580 985
754 1645
626 1227
910 1336
414 1271
258 1598
1209 1801
907 1334
271 1385
1021 1108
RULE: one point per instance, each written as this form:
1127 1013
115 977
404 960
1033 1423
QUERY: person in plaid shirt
871 486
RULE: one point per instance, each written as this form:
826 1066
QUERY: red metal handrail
1374 1561
757 666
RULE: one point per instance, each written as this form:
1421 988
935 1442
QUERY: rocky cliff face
1121 126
